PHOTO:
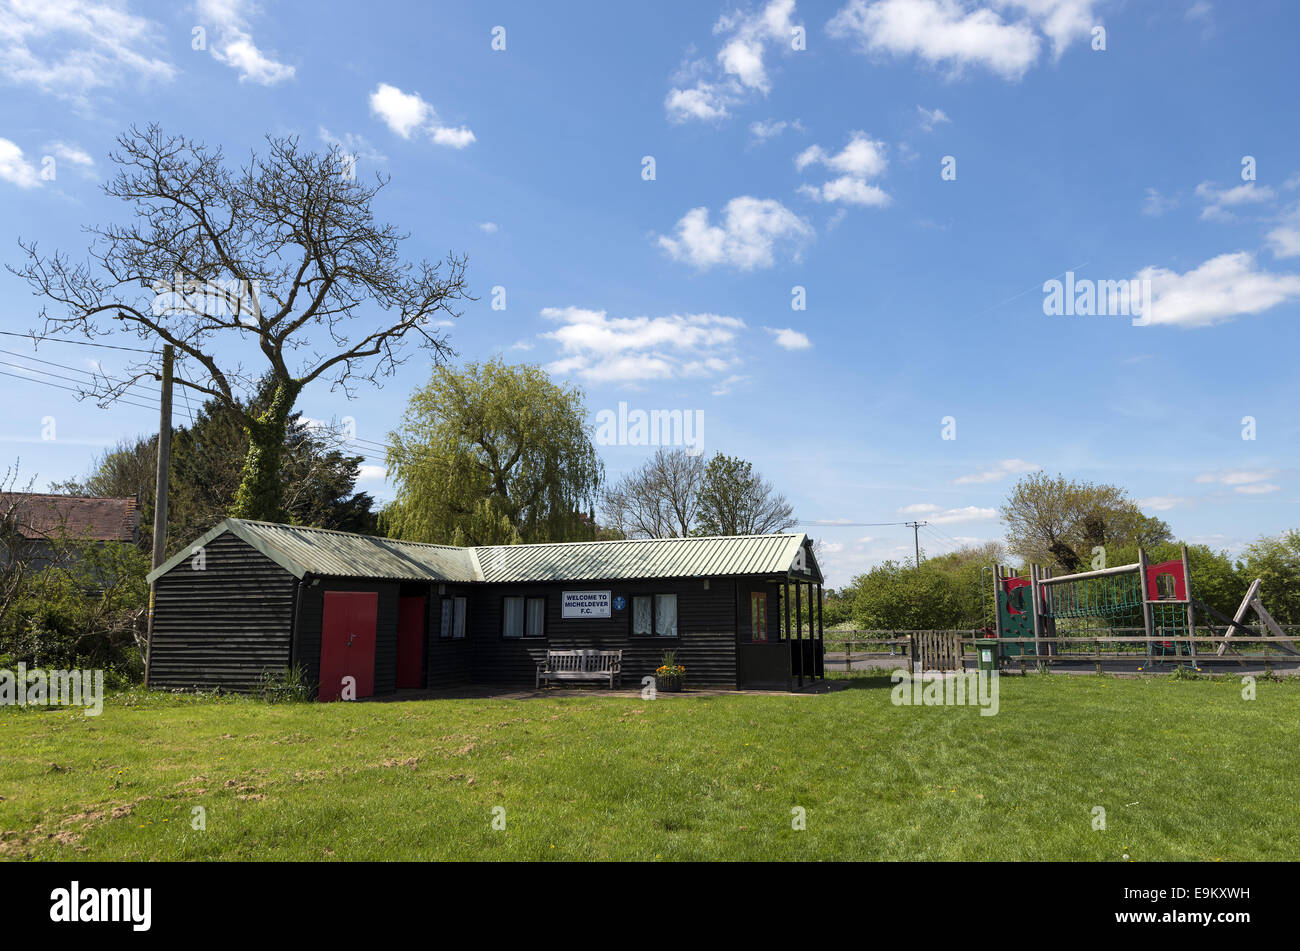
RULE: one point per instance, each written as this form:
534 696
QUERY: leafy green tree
1276 560
895 596
318 478
281 258
493 454
735 500
1059 522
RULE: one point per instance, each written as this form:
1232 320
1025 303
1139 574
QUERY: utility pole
916 539
160 490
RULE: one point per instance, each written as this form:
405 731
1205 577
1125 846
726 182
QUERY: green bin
986 654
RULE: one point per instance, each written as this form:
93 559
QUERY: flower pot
669 684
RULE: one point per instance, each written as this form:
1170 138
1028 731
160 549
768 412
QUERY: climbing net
1116 605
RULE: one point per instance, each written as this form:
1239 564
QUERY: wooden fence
948 650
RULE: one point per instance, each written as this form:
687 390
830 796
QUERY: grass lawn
1184 770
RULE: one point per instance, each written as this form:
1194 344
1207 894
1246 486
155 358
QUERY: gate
936 650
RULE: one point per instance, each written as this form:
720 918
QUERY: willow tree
493 454
279 262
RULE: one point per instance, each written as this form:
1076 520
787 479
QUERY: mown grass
1184 770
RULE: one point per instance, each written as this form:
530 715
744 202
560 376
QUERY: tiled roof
41 515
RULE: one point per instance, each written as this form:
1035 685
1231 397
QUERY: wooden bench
582 665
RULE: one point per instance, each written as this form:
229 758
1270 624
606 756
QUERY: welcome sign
577 604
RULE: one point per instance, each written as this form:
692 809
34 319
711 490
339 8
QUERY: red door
347 642
410 643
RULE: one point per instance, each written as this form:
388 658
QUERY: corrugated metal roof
318 551
641 558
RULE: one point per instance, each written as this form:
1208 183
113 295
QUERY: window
654 615
641 617
758 617
453 618
523 617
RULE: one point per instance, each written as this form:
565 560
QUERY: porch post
821 634
785 599
798 621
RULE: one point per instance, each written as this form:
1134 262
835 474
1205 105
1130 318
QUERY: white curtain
460 618
536 616
666 615
445 629
641 616
514 611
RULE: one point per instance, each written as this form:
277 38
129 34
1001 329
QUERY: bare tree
736 500
659 499
209 244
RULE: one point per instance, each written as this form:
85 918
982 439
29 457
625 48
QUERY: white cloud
941 32
956 35
234 45
1257 488
1236 476
1001 470
70 47
789 339
931 118
370 472
1219 200
1161 503
937 515
765 129
408 113
729 384
72 154
14 167
1155 204
602 349
489 227
1218 290
861 159
1285 238
747 238
739 70
351 145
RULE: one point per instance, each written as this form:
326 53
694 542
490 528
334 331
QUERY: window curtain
536 617
514 612
460 618
666 615
641 616
444 629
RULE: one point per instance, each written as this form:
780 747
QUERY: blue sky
794 146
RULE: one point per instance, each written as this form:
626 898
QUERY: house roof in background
42 515
318 551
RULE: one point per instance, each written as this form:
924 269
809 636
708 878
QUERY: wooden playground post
1191 613
1034 576
1147 620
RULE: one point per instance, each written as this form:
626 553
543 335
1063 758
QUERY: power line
70 389
77 343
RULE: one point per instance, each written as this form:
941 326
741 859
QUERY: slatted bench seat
582 665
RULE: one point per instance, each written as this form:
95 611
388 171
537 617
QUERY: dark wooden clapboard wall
310 616
705 645
221 626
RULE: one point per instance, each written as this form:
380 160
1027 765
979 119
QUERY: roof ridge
623 541
335 531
